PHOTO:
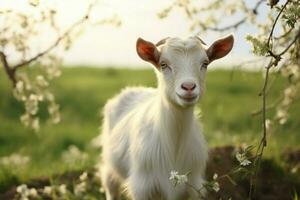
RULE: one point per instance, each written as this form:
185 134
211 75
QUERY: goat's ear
147 51
220 48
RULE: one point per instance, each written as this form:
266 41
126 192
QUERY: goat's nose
188 86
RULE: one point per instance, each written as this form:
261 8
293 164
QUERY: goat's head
181 65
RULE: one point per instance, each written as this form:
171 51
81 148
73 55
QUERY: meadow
226 112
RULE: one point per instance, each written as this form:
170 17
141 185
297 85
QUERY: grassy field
82 91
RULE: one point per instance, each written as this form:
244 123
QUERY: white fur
147 132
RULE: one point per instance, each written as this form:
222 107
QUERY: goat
147 132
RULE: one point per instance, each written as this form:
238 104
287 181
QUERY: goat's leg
110 184
141 187
197 182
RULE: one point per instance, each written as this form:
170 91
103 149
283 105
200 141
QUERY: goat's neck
176 121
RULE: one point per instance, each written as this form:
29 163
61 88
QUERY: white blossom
80 189
25 119
216 186
28 86
73 155
20 86
282 115
62 189
40 97
173 174
245 162
19 91
31 104
25 192
47 190
53 71
36 124
177 178
33 192
268 124
49 96
294 170
53 110
182 179
215 177
14 160
241 157
22 189
41 81
83 176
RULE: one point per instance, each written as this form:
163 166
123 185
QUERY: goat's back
120 105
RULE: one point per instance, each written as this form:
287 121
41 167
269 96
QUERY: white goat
148 132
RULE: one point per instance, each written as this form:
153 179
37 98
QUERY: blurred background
62 60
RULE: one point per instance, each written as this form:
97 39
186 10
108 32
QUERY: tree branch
291 44
275 22
236 24
256 7
225 28
55 44
9 71
284 34
269 107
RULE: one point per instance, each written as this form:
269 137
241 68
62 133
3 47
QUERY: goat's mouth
187 98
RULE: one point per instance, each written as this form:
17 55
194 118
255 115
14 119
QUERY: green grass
82 92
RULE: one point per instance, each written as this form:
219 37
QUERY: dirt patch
291 156
39 183
273 182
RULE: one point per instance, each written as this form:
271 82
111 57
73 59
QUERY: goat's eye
204 64
163 65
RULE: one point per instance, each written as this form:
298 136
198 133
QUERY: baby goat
147 132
